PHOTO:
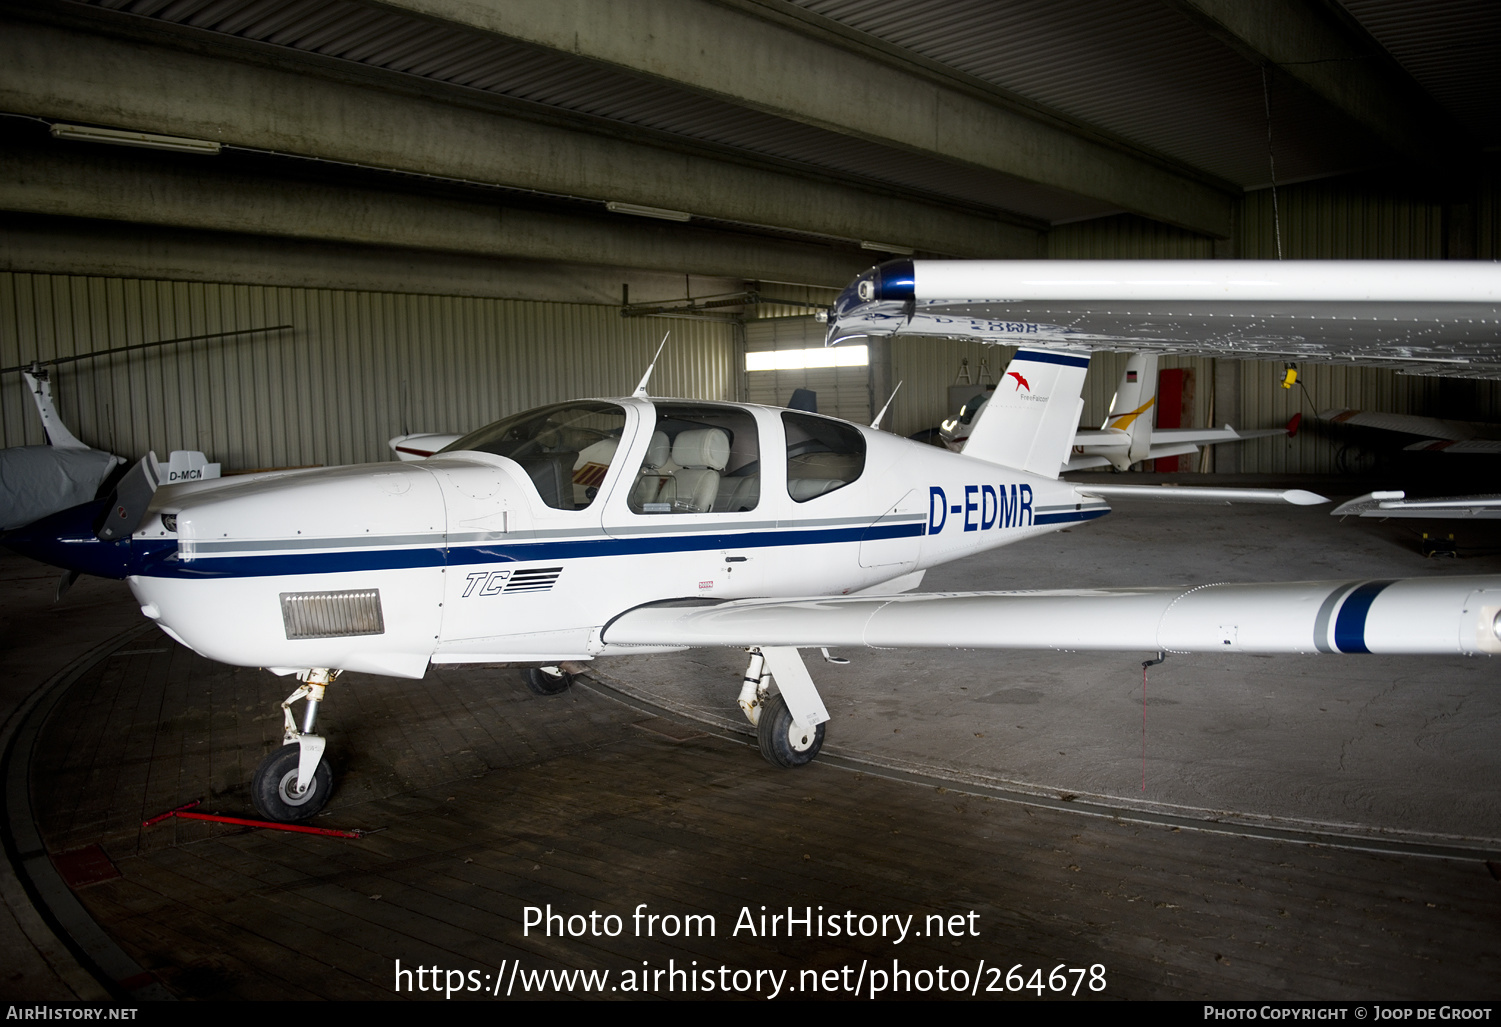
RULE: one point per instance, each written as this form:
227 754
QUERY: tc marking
494 582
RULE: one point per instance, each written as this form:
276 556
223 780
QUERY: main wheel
548 680
274 787
785 742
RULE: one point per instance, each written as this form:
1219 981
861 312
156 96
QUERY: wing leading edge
1428 317
1458 615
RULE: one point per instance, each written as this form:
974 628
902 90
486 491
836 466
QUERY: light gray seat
801 489
736 494
699 455
655 471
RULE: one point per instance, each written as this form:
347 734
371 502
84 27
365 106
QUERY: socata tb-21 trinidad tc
638 525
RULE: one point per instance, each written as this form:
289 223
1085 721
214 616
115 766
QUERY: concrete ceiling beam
190 192
60 73
758 56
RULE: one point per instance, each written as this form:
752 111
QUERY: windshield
566 448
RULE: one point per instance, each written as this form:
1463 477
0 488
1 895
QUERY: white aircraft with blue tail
612 527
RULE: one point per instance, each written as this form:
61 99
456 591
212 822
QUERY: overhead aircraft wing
1419 615
1204 436
1396 504
1488 446
1409 424
1425 317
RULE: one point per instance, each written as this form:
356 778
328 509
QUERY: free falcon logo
1021 382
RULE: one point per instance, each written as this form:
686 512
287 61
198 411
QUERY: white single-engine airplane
637 525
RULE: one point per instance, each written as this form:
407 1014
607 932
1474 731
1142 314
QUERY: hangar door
843 390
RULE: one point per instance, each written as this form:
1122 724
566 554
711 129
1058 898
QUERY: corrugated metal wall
355 369
926 368
842 391
1353 218
1342 219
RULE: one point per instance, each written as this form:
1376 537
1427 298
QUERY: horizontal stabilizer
1457 615
1102 437
1205 436
1198 494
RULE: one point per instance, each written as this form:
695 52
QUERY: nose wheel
293 783
274 788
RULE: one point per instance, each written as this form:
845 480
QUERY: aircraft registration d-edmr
608 527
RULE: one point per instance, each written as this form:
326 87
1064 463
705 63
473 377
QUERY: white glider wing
1426 317
1396 504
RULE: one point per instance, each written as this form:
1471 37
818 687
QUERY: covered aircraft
39 480
635 525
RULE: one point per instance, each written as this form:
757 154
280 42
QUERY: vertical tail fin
1133 408
1031 418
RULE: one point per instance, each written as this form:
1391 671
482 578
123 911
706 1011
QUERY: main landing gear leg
293 783
780 699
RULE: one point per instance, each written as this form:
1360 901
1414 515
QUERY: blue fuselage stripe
1349 625
1070 515
166 565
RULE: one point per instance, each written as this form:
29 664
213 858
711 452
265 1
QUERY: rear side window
823 455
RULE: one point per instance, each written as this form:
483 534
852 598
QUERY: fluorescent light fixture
647 212
118 137
797 359
886 247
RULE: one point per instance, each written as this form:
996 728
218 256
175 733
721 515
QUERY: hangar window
702 459
823 455
565 449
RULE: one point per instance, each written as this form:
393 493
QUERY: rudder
1031 425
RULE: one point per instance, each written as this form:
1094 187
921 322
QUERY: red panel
1169 413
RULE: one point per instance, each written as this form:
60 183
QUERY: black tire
272 787
783 742
542 682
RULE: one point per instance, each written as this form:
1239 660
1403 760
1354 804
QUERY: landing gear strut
293 783
785 740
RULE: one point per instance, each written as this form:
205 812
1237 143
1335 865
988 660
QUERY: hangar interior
425 215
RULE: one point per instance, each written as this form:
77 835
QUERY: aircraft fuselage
473 556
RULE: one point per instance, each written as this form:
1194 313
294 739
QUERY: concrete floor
494 799
1397 745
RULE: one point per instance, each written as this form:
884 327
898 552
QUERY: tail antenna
877 422
640 392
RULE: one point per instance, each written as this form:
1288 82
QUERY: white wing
1420 615
1429 317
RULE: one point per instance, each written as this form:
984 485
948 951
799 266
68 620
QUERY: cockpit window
702 459
822 455
566 449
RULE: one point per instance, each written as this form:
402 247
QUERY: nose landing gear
293 783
